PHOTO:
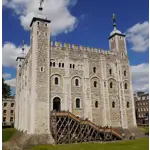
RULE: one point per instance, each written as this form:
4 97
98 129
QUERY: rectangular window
5 104
4 111
11 119
41 69
4 119
12 104
12 111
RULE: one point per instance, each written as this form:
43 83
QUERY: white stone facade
90 83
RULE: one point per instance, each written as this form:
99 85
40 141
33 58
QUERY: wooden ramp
67 128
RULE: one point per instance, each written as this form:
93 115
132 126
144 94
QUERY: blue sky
86 23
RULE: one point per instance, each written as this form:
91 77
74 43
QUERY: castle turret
117 40
40 49
20 59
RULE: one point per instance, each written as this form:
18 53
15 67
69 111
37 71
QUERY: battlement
60 45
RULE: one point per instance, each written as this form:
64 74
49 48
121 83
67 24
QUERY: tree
5 89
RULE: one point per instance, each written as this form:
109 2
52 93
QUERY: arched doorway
57 104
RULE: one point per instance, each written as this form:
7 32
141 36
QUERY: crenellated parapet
60 45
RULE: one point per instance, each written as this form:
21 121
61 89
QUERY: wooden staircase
67 128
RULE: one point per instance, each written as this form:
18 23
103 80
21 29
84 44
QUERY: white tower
40 86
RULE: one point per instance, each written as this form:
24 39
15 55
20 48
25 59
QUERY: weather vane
114 20
41 2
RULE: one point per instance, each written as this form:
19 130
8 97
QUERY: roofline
117 34
40 19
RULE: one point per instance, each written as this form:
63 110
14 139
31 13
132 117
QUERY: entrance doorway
56 104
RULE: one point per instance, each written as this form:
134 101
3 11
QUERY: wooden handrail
67 113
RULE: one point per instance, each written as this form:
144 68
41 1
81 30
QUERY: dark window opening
73 66
76 82
59 64
111 85
5 104
125 86
104 84
11 111
77 103
96 104
12 104
95 84
11 119
113 104
110 71
4 111
125 73
53 64
4 119
94 69
56 81
127 104
70 66
63 65
42 69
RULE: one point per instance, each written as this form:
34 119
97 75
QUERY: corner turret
20 59
117 42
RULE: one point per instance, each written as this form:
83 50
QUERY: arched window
95 83
76 82
128 104
70 65
125 73
53 64
111 84
113 104
77 103
110 71
125 86
56 81
59 64
63 65
94 69
96 104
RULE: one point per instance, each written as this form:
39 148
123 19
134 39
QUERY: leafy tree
5 89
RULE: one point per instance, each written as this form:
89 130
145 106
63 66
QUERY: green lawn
7 134
138 144
144 129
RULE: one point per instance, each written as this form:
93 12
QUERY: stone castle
90 83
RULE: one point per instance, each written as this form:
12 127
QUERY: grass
7 134
137 144
144 129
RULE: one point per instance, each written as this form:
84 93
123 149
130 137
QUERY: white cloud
11 82
55 10
9 54
140 77
138 36
6 75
